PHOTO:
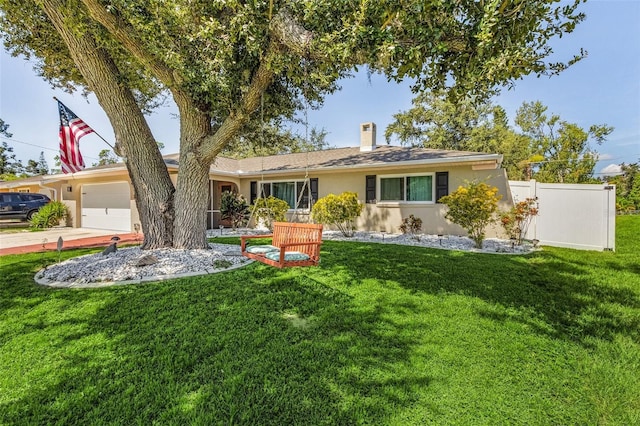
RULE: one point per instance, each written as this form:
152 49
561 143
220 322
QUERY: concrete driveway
28 238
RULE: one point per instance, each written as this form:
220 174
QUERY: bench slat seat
296 244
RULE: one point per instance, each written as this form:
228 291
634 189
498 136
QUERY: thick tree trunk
149 176
193 178
191 203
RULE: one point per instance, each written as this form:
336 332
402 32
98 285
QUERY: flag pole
96 133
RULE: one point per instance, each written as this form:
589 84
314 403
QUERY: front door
216 188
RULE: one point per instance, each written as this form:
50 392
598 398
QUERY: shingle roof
345 158
22 182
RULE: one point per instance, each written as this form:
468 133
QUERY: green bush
234 207
473 207
339 210
49 215
269 210
411 225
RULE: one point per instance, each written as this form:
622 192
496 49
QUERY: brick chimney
367 137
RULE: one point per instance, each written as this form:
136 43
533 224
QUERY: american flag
72 129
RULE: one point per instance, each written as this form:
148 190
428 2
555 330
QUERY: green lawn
379 334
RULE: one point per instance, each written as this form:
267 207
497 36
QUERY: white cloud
611 170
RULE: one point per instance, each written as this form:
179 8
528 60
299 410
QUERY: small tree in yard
234 207
338 210
473 207
516 220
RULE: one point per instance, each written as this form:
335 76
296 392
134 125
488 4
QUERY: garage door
106 206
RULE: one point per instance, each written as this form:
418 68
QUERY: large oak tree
219 59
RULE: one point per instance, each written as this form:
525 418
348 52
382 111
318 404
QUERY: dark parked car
21 205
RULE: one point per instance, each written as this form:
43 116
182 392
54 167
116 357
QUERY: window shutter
266 189
442 185
303 190
253 192
302 195
371 189
313 185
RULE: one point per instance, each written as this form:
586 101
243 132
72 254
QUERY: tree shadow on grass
254 346
567 294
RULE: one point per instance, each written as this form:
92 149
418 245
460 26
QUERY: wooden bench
292 244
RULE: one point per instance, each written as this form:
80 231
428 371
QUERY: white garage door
106 206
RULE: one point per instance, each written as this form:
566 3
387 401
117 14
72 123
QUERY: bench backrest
287 233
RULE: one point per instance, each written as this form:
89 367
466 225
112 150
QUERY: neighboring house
392 182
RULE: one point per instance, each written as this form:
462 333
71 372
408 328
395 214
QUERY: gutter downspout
55 191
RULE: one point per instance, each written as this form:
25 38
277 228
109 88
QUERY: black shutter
302 195
253 192
371 189
313 185
442 185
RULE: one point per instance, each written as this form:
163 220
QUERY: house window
410 188
296 193
419 188
285 191
392 189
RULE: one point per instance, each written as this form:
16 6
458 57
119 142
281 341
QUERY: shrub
516 220
269 210
234 207
49 215
411 225
338 210
473 207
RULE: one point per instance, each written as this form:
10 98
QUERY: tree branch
123 32
213 144
286 32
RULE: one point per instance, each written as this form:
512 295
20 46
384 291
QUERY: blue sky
604 88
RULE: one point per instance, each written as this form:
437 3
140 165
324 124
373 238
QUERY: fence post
610 219
533 193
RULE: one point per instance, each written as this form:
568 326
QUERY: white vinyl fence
577 216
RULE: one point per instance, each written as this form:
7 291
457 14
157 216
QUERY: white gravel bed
448 242
121 267
96 270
